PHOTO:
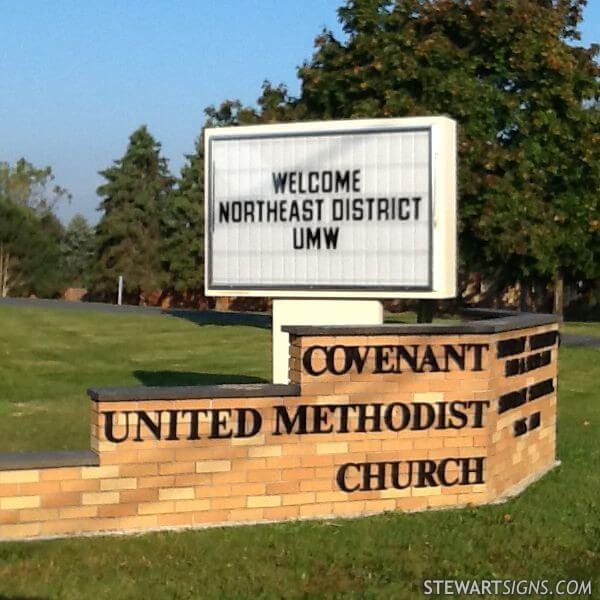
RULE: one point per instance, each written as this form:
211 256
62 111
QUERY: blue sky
79 77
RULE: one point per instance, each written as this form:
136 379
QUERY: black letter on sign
423 421
348 360
152 426
109 427
223 213
442 472
256 421
279 180
341 478
373 473
295 425
425 474
307 361
469 469
331 237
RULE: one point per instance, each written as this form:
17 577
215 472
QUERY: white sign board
332 209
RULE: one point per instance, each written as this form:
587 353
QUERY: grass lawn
581 328
571 327
48 358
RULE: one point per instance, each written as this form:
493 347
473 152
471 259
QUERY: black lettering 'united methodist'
222 423
374 417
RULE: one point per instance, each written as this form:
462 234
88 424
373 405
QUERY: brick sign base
381 418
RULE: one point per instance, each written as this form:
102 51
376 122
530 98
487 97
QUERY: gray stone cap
483 321
13 461
238 390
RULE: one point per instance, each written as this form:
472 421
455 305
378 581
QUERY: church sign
362 416
375 418
359 208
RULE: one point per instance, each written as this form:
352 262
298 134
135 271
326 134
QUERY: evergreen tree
183 217
128 236
78 250
183 227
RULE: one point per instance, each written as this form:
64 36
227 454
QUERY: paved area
79 306
577 339
196 316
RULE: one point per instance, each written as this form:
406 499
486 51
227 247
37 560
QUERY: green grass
571 327
48 358
581 328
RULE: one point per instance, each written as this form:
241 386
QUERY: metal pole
120 294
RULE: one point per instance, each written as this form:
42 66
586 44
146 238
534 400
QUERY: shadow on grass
212 317
3 597
183 378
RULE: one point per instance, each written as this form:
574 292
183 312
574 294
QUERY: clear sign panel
340 210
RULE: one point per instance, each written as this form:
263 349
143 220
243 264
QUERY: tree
525 98
30 186
128 236
30 234
30 259
182 227
16 226
78 250
183 217
275 105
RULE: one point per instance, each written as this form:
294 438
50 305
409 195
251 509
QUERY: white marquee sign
361 208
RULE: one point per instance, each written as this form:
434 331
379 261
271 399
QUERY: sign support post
302 311
120 292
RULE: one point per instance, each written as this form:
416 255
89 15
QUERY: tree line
526 97
38 255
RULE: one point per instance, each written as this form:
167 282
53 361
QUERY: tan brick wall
146 483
